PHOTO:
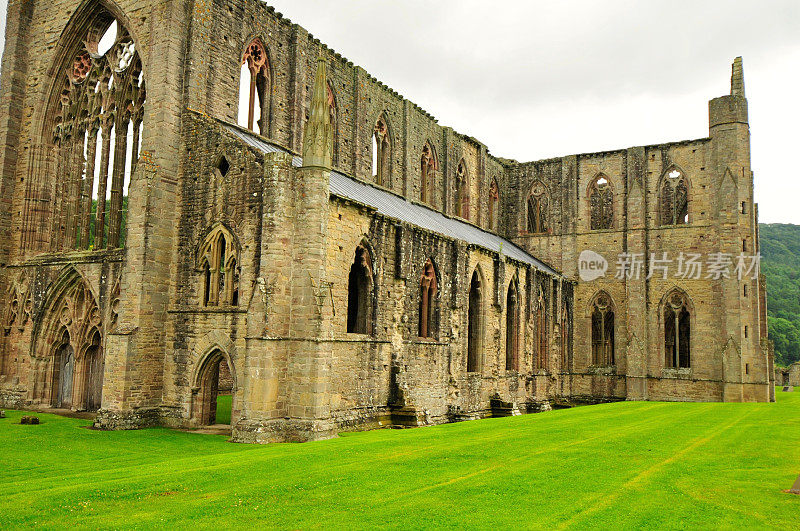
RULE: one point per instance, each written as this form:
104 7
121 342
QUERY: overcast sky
538 79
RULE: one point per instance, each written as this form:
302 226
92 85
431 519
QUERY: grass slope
626 464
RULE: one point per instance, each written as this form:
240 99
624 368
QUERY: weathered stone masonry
345 263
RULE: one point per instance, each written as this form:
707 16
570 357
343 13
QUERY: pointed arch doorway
215 385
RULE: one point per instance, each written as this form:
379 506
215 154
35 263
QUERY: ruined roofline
505 162
331 53
514 163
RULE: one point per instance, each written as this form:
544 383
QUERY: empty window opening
254 89
359 291
223 166
381 151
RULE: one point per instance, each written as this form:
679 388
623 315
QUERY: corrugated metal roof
400 209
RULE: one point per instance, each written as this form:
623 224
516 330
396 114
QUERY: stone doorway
212 402
64 371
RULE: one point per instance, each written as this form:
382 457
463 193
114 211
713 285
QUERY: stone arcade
198 195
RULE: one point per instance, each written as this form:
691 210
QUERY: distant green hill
780 251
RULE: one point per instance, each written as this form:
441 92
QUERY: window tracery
674 199
601 201
428 169
218 262
255 88
427 304
677 331
98 121
603 331
538 204
462 191
381 151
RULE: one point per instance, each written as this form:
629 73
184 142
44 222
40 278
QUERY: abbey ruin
199 194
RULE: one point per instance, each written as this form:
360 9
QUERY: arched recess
214 375
475 322
67 351
91 137
361 292
255 88
382 151
462 190
602 318
512 326
219 266
676 319
494 206
429 165
601 203
538 209
673 197
429 301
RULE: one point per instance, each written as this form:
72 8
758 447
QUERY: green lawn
626 464
224 409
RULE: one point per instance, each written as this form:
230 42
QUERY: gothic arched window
673 199
218 263
360 293
97 112
428 167
475 324
603 331
494 206
255 89
677 331
512 327
538 209
601 203
381 151
427 301
462 191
